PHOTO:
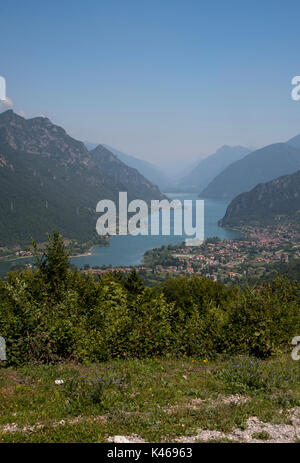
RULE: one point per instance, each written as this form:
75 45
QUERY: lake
129 250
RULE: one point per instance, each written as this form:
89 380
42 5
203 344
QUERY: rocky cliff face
40 136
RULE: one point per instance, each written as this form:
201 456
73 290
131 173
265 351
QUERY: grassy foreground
159 400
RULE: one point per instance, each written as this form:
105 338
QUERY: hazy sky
163 80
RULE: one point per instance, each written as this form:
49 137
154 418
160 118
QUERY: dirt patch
13 427
133 439
13 377
277 433
235 399
194 404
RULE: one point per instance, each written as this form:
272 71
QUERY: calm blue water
129 250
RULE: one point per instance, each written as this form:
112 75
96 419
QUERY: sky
167 81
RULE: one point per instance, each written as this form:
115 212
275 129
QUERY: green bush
53 312
263 322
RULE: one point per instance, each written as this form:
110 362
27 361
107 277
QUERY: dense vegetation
53 313
148 170
50 180
279 197
290 270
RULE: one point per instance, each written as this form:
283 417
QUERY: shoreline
13 259
89 253
86 254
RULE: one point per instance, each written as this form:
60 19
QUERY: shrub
82 391
245 374
54 313
263 322
242 375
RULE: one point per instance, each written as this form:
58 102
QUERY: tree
54 263
134 283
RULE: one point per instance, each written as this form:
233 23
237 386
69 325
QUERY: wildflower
205 360
150 388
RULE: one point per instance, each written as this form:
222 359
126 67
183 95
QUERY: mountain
90 146
259 166
127 177
50 180
266 201
148 170
295 141
207 169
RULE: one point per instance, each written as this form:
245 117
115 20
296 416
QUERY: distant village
255 254
231 260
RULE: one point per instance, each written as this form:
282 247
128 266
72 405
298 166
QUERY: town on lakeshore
260 252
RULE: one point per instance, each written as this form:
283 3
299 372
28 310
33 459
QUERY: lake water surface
129 250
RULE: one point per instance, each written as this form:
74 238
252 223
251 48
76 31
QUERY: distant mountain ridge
279 197
295 141
211 166
123 174
148 170
259 166
50 180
